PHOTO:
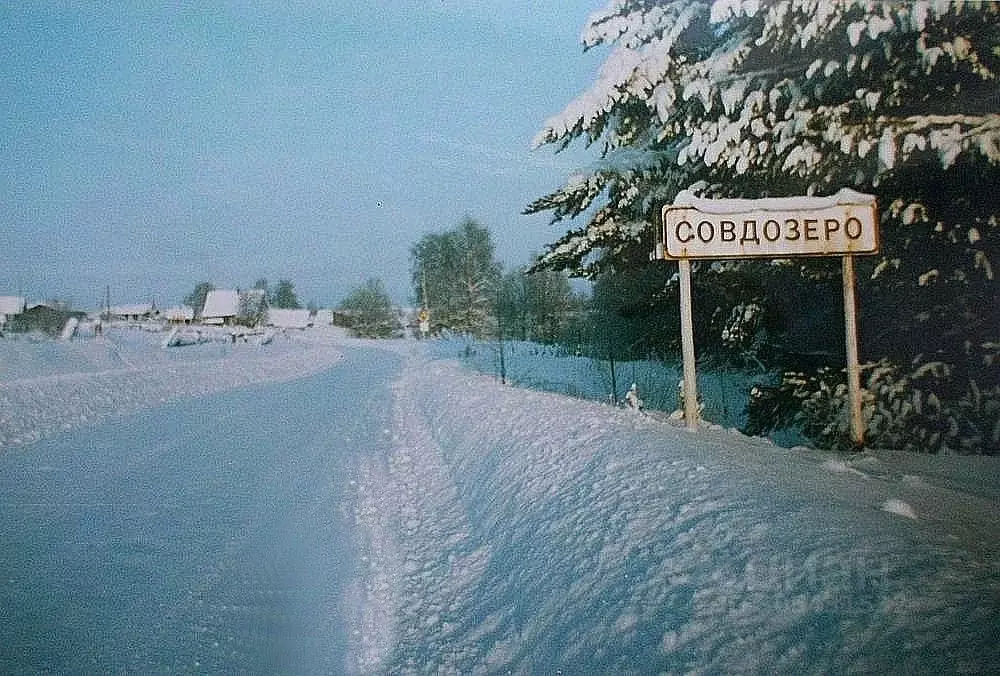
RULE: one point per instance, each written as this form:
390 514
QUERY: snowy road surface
206 535
397 514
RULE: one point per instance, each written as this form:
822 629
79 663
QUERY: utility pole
503 366
423 286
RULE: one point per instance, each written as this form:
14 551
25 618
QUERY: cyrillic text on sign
845 223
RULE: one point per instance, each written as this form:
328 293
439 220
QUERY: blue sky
148 146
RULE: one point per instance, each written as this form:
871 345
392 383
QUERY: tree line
463 289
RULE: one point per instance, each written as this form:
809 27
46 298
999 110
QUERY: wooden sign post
853 367
687 348
844 224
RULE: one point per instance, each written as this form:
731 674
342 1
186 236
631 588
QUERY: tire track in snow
424 560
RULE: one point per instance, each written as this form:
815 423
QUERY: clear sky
148 146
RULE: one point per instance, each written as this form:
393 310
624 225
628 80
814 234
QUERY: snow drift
521 531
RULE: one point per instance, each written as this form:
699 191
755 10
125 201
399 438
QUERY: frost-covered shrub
368 312
918 409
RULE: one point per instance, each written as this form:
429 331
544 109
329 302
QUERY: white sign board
843 224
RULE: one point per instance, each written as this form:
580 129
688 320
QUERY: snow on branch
806 94
640 62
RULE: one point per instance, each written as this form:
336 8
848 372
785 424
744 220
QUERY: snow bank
527 532
48 386
517 530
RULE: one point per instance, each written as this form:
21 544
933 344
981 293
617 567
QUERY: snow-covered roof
287 318
11 305
135 309
221 303
323 317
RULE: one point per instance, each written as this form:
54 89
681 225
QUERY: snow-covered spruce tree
744 98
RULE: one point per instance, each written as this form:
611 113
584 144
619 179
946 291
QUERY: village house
224 307
43 318
221 307
136 312
181 314
323 317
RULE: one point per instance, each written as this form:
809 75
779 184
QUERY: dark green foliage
917 409
627 321
769 99
42 318
196 299
538 306
283 295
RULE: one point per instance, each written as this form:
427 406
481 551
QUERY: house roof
139 309
288 319
11 305
221 303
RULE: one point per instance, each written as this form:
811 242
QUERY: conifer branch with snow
742 98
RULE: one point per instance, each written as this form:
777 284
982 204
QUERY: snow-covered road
207 535
395 513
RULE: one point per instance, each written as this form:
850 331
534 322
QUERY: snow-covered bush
901 409
368 312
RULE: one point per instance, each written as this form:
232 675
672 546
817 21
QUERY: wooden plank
687 348
853 367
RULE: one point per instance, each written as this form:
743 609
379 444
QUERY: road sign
842 224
